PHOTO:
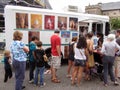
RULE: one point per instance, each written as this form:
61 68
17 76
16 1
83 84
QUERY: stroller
97 71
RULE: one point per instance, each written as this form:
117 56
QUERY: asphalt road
94 84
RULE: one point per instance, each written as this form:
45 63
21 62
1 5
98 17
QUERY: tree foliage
115 23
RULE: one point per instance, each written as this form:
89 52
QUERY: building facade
111 9
93 9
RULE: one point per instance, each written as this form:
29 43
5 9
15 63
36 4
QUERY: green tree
115 23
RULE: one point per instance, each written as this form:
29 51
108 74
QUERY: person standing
56 55
7 66
18 51
90 58
32 47
117 58
80 49
39 63
97 56
71 56
108 51
100 40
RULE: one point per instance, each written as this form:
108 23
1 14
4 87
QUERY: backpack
38 55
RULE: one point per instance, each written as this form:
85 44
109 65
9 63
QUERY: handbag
91 62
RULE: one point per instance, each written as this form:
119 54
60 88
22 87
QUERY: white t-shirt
79 53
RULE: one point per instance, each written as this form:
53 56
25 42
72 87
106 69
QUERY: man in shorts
117 58
56 55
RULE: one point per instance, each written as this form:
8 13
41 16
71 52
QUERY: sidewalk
94 84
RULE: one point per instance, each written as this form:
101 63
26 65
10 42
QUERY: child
40 64
7 66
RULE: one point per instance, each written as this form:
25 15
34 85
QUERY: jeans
108 62
32 68
19 67
39 70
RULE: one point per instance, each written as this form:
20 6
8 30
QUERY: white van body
45 34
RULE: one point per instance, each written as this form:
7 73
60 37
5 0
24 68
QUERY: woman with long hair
90 58
80 49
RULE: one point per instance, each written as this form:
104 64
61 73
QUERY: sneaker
42 85
31 81
35 85
116 83
47 72
105 85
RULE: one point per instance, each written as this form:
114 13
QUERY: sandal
105 85
55 81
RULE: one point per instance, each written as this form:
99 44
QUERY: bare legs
87 72
54 76
79 76
78 71
70 65
53 73
116 72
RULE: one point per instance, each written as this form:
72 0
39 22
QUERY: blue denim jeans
19 73
108 62
39 70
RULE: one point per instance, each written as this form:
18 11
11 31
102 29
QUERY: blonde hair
17 35
6 53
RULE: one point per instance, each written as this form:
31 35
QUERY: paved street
94 84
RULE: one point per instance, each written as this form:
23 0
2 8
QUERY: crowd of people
82 58
106 53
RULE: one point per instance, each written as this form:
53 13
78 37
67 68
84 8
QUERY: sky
61 4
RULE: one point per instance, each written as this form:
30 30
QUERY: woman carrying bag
80 49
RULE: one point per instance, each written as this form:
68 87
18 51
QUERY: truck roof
81 16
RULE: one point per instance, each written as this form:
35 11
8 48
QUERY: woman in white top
80 49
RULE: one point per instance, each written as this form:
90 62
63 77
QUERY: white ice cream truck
42 23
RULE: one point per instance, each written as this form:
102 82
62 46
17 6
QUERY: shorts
71 57
117 64
56 62
117 61
81 63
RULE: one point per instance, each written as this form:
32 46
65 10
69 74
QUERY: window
2 24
